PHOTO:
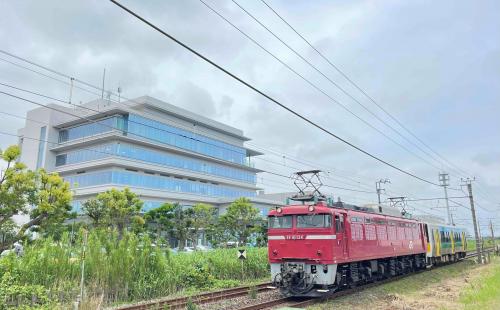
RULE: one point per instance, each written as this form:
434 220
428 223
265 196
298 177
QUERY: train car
444 243
318 247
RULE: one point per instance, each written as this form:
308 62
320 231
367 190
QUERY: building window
141 180
163 133
41 147
134 152
94 128
61 160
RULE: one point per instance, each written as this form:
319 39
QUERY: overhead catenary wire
353 83
113 127
322 91
63 101
172 168
89 149
336 171
114 154
65 82
123 103
329 79
460 171
255 89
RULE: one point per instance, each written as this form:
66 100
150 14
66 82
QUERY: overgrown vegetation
484 293
119 269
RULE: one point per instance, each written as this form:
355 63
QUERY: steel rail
182 302
345 292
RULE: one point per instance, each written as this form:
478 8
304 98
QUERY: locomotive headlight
319 252
279 210
275 252
311 208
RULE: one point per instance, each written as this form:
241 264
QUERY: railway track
182 302
294 303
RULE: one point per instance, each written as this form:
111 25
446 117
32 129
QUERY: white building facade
161 152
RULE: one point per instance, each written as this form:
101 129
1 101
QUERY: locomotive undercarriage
298 279
358 273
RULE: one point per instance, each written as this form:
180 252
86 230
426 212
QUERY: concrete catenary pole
493 238
378 187
444 181
492 234
468 182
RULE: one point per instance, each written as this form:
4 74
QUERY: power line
107 153
109 99
266 95
97 111
315 165
316 87
439 198
454 167
52 98
337 85
358 87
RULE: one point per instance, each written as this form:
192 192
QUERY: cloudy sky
433 65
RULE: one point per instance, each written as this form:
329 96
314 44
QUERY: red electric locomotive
319 246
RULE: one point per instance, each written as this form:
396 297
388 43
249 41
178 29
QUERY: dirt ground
435 289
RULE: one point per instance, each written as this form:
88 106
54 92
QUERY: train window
339 223
284 221
368 220
314 221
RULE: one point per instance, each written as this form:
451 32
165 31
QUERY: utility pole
468 182
492 234
444 180
378 187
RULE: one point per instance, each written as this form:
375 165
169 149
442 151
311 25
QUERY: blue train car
444 243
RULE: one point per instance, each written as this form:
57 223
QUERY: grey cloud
196 99
434 69
487 159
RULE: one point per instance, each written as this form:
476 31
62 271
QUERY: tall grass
126 269
485 292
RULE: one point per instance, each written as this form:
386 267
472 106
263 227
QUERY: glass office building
160 151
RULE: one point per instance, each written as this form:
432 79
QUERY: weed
252 292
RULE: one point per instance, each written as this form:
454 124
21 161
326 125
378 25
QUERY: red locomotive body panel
342 236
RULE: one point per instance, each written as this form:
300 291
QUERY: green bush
125 269
18 296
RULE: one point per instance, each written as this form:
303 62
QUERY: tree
202 216
174 219
240 219
45 197
182 223
160 218
96 211
120 207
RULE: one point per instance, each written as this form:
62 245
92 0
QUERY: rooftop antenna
308 183
119 94
103 79
108 96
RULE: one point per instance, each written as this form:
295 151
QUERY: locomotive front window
314 221
280 221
